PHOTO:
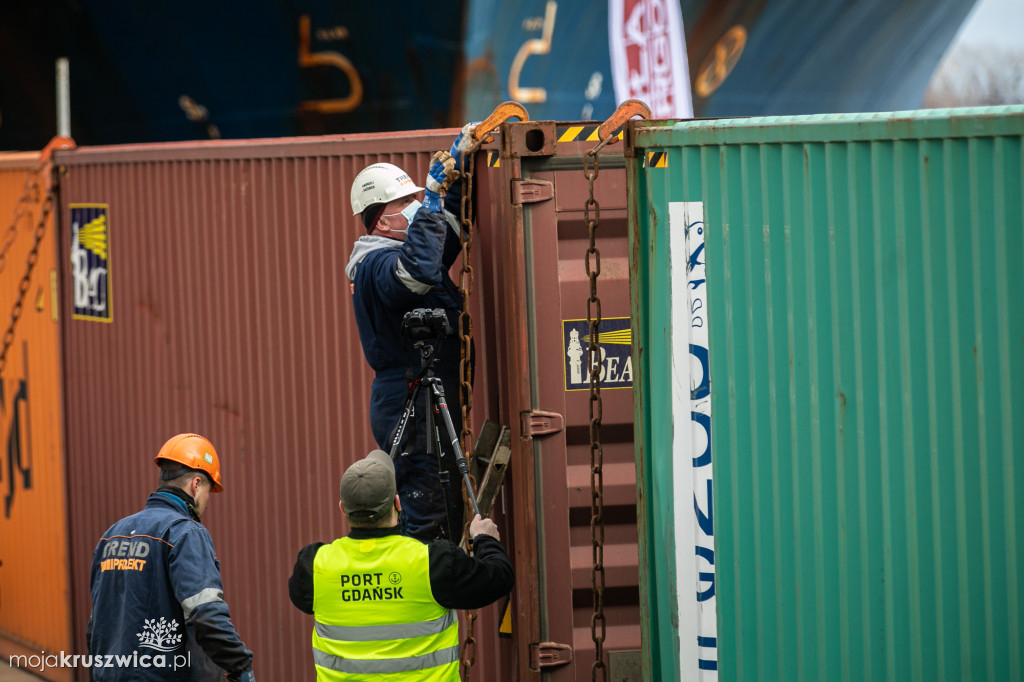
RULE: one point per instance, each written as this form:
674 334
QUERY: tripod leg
403 421
460 461
434 445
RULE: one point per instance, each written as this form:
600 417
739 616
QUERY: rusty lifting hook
624 112
501 113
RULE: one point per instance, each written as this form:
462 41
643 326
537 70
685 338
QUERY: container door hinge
549 655
541 423
530 191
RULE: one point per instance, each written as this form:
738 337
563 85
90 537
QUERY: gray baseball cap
368 487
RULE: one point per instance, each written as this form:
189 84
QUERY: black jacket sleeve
92 581
300 585
460 581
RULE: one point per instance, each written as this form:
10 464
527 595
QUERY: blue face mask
409 212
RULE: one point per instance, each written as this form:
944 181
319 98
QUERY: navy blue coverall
390 278
156 591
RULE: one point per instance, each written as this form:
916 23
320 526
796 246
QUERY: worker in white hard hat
401 264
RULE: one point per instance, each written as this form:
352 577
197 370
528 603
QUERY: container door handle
541 423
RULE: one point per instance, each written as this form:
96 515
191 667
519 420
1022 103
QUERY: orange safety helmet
195 452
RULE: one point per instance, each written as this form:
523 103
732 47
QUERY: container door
548 289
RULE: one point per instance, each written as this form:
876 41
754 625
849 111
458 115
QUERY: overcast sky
994 22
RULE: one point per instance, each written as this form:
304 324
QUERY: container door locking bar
494 446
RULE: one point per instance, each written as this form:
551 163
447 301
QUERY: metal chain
33 256
597 621
10 236
29 196
466 373
465 317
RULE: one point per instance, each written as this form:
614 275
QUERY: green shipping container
828 314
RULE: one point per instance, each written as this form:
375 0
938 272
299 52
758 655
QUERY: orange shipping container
35 604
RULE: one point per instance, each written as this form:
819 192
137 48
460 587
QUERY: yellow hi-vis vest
375 617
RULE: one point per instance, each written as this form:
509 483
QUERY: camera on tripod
422 324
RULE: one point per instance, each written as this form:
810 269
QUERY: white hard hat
380 183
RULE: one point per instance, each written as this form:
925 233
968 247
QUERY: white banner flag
647 47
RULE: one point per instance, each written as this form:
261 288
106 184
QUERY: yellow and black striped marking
580 134
656 160
493 159
505 625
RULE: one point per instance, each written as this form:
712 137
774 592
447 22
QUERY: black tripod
435 401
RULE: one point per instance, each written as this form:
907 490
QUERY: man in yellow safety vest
383 602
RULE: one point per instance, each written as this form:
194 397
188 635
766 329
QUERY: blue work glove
247 676
463 142
439 178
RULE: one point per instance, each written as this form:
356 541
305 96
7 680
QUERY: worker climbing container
829 346
34 574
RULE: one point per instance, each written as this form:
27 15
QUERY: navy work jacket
157 592
390 278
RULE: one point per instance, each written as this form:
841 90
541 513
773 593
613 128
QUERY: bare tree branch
977 76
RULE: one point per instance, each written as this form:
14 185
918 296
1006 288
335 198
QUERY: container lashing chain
481 134
30 195
592 218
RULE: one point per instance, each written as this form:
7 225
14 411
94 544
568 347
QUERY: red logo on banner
647 52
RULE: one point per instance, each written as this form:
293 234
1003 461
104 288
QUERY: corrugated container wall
35 598
226 311
866 338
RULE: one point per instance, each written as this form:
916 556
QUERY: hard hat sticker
614 342
208 457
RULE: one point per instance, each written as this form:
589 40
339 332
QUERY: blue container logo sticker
90 262
614 340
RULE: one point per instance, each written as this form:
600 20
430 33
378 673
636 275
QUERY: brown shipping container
35 601
231 316
541 291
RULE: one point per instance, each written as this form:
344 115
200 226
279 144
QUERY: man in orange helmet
156 571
